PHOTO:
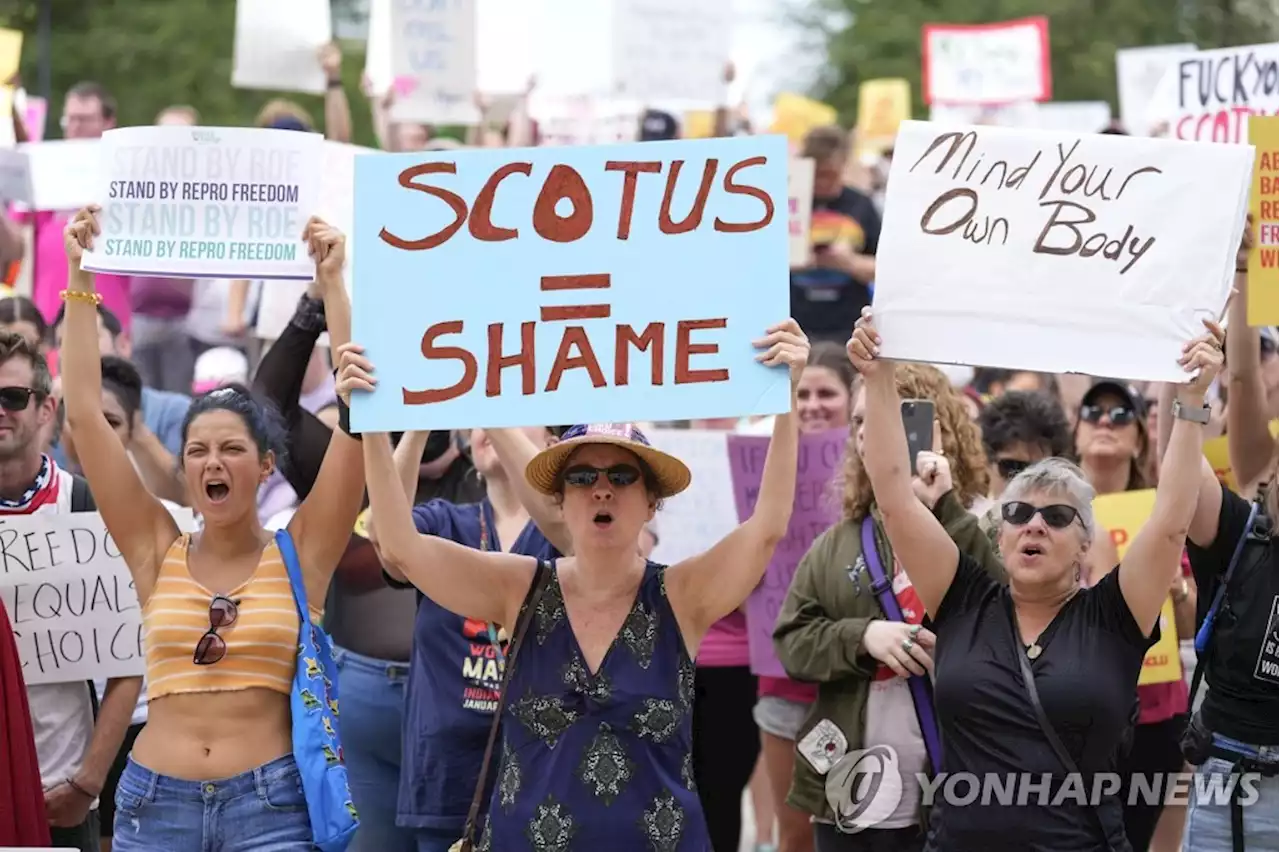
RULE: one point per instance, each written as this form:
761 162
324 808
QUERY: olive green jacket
818 637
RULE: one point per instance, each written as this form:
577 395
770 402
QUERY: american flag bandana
42 492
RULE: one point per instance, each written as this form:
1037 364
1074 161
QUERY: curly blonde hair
961 441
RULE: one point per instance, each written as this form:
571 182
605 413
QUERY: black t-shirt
1087 677
827 302
1243 700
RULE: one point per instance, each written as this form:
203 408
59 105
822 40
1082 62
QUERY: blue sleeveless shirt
605 760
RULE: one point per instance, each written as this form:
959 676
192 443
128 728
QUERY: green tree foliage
152 54
866 39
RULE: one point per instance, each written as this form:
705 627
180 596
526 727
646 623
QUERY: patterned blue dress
604 761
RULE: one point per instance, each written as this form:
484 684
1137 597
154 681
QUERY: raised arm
1149 565
1250 446
705 588
920 543
408 462
515 451
323 523
472 583
139 523
1204 520
337 111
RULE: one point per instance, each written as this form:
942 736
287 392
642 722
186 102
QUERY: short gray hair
1055 476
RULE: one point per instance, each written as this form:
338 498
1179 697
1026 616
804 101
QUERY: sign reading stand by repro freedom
206 202
517 287
1056 252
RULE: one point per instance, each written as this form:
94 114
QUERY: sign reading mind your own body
206 202
521 287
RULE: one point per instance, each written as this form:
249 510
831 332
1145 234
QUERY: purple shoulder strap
921 695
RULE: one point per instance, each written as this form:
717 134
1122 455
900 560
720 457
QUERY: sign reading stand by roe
206 202
515 287
1056 252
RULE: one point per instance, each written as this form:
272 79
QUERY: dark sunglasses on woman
619 476
211 648
1057 515
15 398
1121 415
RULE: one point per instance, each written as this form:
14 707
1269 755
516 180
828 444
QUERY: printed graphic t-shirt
455 673
827 302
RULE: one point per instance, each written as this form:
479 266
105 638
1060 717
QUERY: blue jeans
437 840
1209 822
263 810
372 715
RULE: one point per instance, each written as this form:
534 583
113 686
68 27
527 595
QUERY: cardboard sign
815 509
667 50
796 115
987 63
697 518
514 287
882 105
1055 252
70 597
1208 96
206 202
433 61
1123 515
277 45
1264 204
800 207
1139 71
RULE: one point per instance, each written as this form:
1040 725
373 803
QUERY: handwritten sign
1208 96
206 202
1055 252
800 209
512 287
1139 71
882 105
987 63
277 45
671 50
1123 515
695 519
1264 204
816 508
433 61
70 597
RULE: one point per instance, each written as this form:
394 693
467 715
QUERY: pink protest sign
34 117
816 507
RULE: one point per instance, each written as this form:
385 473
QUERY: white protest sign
1016 114
1208 96
987 63
70 597
15 176
800 209
433 61
64 173
206 202
277 45
377 49
671 50
337 199
1139 71
1073 116
698 517
1053 252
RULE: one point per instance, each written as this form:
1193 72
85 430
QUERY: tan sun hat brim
543 470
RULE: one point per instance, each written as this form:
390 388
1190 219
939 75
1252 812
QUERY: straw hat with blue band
544 469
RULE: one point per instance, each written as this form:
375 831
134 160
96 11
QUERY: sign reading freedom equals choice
521 287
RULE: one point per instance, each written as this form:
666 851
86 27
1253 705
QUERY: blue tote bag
314 701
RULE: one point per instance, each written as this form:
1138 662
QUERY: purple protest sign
815 509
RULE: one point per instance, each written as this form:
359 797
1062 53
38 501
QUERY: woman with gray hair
1034 681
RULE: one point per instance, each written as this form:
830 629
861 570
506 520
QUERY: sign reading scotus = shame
206 202
70 597
1056 252
512 287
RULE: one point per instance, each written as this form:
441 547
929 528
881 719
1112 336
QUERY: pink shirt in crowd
50 272
725 644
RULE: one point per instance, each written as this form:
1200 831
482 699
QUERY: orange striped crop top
261 643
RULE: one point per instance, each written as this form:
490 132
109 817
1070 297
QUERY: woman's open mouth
216 490
602 520
1032 550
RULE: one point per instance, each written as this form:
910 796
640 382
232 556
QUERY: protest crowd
938 545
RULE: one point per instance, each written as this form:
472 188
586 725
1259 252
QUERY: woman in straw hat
597 736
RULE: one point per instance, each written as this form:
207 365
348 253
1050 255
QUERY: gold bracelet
92 298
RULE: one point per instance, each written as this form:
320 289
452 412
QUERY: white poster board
800 209
377 49
1054 252
1073 116
277 45
987 63
698 517
1016 114
206 202
15 176
671 50
1139 71
70 597
1208 96
64 173
433 61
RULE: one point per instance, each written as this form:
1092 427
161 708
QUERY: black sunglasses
1121 415
1058 516
16 398
211 648
619 476
1009 468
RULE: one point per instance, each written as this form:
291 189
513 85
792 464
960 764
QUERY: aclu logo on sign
864 788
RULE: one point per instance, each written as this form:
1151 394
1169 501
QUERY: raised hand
933 478
355 372
1203 356
864 346
80 232
785 343
328 247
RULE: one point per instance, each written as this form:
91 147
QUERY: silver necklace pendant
1034 651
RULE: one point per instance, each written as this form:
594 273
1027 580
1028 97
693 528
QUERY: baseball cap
658 126
289 122
1115 387
219 366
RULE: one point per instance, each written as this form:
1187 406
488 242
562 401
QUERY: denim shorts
781 717
262 810
1208 826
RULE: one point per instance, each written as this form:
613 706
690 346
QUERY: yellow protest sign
883 104
1123 515
795 115
699 124
1264 203
362 524
10 54
1215 451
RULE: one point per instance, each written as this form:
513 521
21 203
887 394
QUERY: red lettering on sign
453 200
432 352
575 337
665 224
631 171
754 191
626 338
685 349
563 182
524 359
481 225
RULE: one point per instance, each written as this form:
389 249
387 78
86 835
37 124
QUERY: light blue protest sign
520 287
